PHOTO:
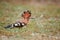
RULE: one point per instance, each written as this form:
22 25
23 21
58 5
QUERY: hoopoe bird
26 16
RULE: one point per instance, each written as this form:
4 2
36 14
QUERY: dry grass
45 26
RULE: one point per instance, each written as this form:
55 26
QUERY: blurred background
44 26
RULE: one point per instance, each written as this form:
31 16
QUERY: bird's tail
9 26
